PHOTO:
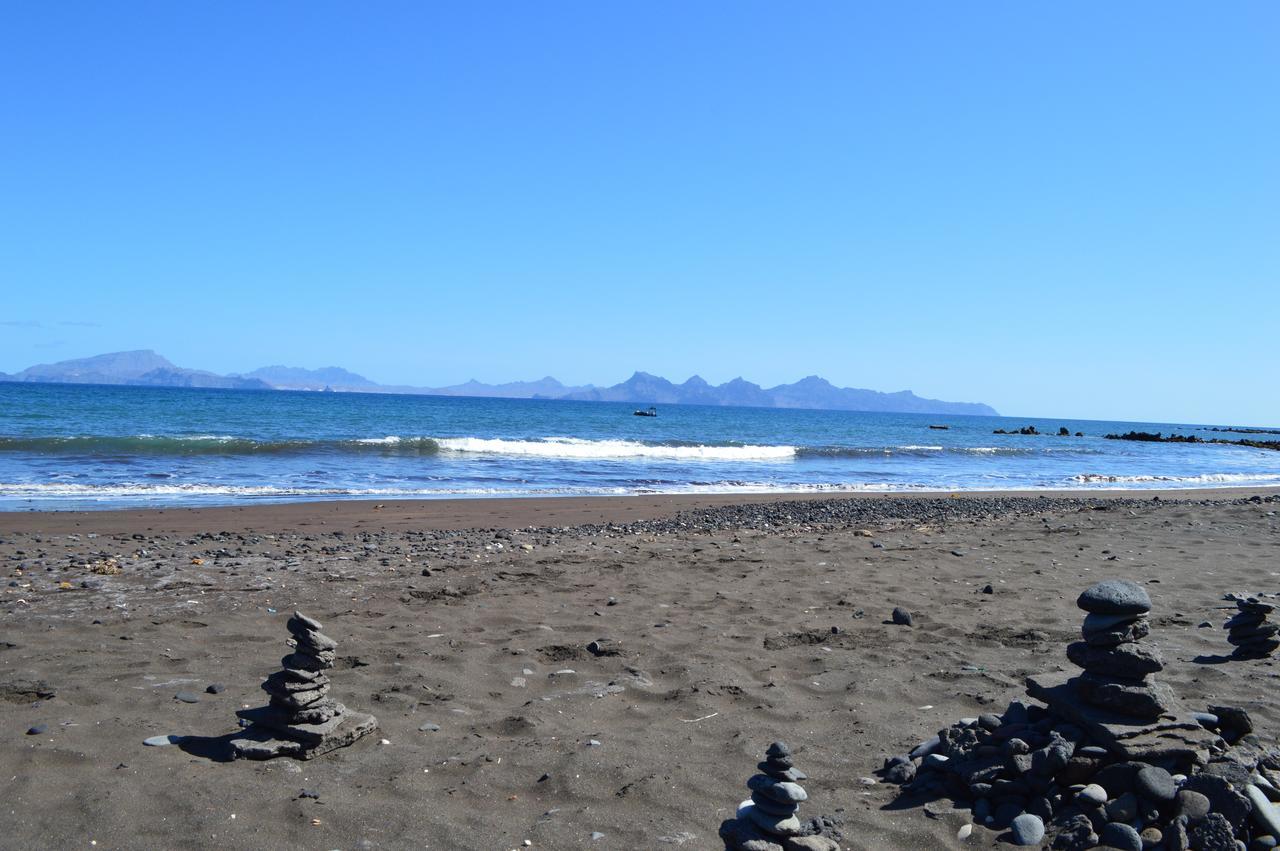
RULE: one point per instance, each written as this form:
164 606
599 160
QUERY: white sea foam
571 447
1202 479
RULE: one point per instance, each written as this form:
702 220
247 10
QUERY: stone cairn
1249 631
301 720
768 820
1127 768
1117 666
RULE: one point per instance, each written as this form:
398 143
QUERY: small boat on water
940 427
651 412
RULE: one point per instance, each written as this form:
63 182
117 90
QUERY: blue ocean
78 446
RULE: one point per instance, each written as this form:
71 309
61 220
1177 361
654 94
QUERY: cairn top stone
309 623
1115 597
778 749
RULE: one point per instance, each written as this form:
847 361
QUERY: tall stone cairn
1249 631
301 719
1117 666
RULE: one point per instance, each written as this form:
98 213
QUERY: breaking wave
1202 479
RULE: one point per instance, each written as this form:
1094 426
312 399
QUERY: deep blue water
65 446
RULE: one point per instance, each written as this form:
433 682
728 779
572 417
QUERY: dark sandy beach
733 621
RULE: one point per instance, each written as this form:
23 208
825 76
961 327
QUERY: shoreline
461 514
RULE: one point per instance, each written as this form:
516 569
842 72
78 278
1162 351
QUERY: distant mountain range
146 368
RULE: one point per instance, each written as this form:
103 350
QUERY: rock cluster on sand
1249 631
768 820
1118 667
1083 775
301 719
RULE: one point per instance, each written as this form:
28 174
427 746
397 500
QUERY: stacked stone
301 688
768 821
300 718
1117 666
1249 631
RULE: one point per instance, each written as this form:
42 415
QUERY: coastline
515 512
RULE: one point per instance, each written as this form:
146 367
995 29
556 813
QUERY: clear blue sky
1066 209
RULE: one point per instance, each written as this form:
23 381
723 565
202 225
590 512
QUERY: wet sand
737 621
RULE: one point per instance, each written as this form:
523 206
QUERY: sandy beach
464 626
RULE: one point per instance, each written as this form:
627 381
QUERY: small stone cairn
768 820
301 720
1249 631
1117 666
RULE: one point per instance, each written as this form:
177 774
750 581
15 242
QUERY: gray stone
1027 830
1223 799
1110 630
776 825
810 843
779 790
319 712
773 807
1075 834
281 683
741 834
215 688
295 699
1155 784
308 661
429 728
1124 808
315 643
1115 597
902 617
1264 813
1127 661
1092 795
1120 836
259 742
1233 717
37 729
187 697
1213 833
303 622
791 775
1147 701
1151 838
162 741
1193 805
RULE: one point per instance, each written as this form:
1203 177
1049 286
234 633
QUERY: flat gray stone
1115 597
779 790
1146 701
1129 661
287 723
776 825
261 742
162 741
1110 630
